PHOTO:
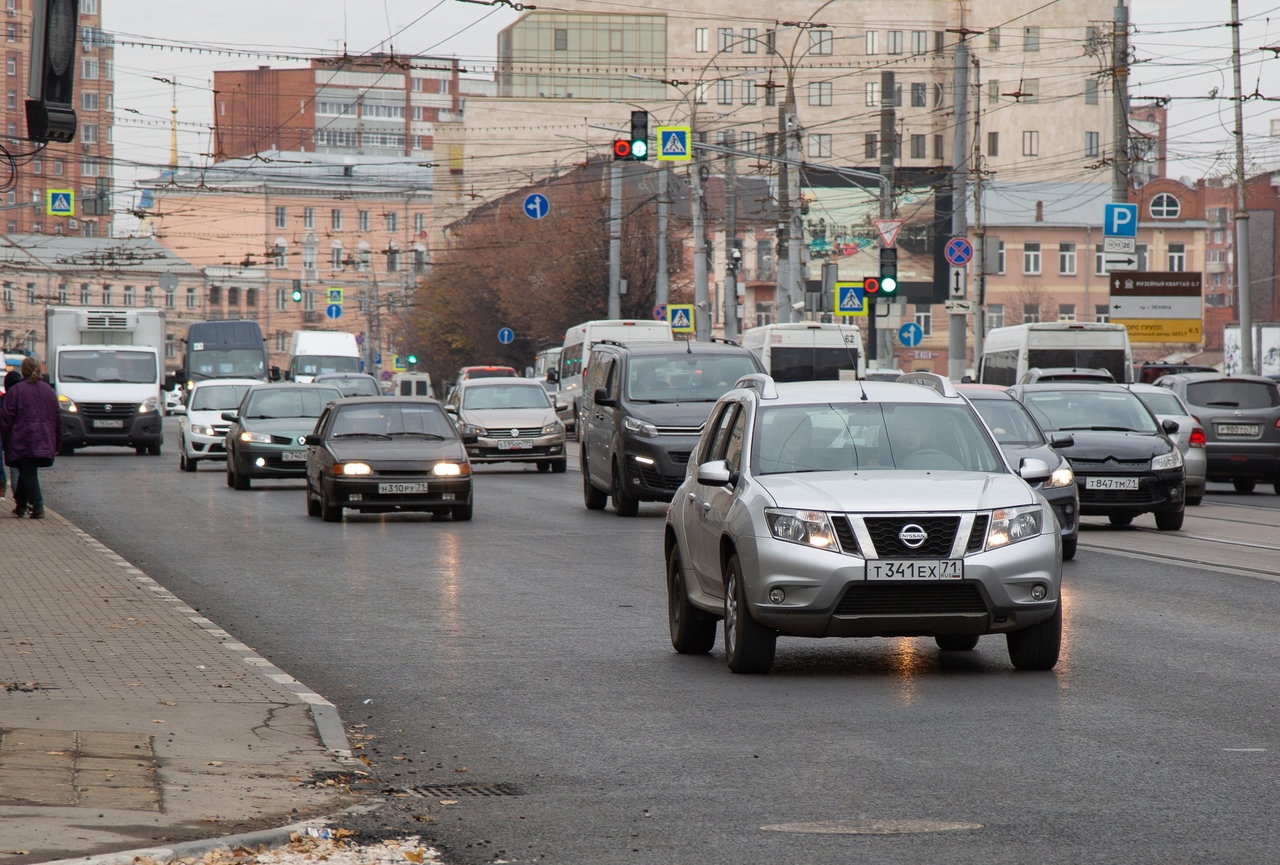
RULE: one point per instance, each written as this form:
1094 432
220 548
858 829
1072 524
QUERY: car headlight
1010 525
350 469
66 403
451 470
1171 460
472 429
1061 477
553 428
197 429
147 406
642 428
811 528
256 438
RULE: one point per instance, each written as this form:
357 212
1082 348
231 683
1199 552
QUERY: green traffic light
888 284
297 295
413 358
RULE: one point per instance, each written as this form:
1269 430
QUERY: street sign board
60 202
1119 261
506 336
888 229
680 316
850 299
1158 307
536 205
333 310
910 334
958 251
398 363
673 143
660 312
959 307
1127 245
1120 220
335 296
958 289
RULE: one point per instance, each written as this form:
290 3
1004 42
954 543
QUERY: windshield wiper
1101 428
423 434
73 377
1225 404
360 436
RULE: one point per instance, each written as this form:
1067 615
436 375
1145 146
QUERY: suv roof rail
760 382
932 380
722 340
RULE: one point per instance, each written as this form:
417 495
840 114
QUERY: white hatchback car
201 430
859 509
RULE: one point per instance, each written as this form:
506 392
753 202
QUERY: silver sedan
1190 439
847 509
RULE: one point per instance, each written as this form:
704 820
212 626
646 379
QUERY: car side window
706 446
322 420
717 449
611 378
733 448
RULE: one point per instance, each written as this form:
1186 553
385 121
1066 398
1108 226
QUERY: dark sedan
385 454
1123 459
265 437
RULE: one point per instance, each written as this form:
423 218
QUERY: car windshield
1089 410
226 363
504 396
685 377
1164 402
490 372
1233 394
316 364
218 397
133 367
872 437
362 386
289 402
385 419
1009 421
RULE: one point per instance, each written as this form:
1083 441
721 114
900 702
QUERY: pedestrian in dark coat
32 428
11 378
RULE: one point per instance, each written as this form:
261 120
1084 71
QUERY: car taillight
1197 437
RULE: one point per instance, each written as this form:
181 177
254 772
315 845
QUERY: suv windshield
133 367
685 377
1233 394
1089 410
1162 403
872 436
1009 421
355 386
524 396
226 363
218 397
289 402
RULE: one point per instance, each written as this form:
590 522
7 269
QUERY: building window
335 256
89 166
872 142
993 92
995 315
1090 91
562 39
993 39
11 66
1030 313
11 100
1091 144
168 298
1165 206
282 340
1030 38
924 318
308 256
919 95
362 219
700 92
749 92
749 141
918 147
393 222
1066 312
282 299
895 42
191 297
279 253
11 32
939 41
1030 89
419 222
937 147
308 217
233 297
128 295
309 301
364 260
1031 259
215 296
749 45
1140 250
820 144
820 92
919 41
1066 259
335 219
282 217
724 40
993 144
88 100
393 260
873 41
57 167
771 41
62 294
1030 143
872 89
85 298
724 92
32 290
700 40
1102 313
1177 257
999 256
820 41
1099 260
419 260
251 297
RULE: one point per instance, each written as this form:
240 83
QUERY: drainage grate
458 791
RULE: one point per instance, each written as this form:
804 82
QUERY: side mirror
311 439
1062 440
170 381
602 398
1033 470
178 409
553 375
562 406
470 438
232 415
275 373
528 372
451 409
1169 426
716 474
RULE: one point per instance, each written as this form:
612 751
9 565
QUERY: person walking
11 378
31 427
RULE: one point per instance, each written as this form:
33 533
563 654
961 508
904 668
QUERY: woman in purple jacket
32 429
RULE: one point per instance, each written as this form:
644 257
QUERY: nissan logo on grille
913 535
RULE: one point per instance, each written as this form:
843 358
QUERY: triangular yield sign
888 229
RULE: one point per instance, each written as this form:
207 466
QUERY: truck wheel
140 450
153 450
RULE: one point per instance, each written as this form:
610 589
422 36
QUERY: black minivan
642 409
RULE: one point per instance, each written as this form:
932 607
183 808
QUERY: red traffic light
621 148
870 285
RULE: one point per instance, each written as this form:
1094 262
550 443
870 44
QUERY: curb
323 713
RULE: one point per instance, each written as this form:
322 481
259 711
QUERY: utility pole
888 134
661 291
730 241
959 198
615 240
1244 287
701 304
1120 103
782 267
979 232
795 229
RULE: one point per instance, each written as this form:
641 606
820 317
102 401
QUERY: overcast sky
1184 41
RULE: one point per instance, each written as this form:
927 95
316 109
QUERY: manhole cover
870 827
457 791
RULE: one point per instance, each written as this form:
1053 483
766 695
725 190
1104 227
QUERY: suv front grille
521 432
680 430
108 410
910 599
1141 496
884 536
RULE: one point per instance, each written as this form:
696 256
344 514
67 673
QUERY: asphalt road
529 648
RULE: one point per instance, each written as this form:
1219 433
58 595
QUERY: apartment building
83 165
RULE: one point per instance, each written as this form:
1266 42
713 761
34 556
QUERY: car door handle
693 498
706 507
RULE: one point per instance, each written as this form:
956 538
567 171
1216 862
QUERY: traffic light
870 285
411 358
888 271
621 148
640 135
51 114
297 291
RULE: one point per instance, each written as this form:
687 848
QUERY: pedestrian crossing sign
60 202
335 296
850 299
673 143
680 317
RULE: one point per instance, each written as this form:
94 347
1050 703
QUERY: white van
575 356
312 352
808 351
547 360
1008 352
411 384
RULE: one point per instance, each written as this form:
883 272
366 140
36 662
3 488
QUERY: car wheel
1037 647
544 466
329 512
238 481
693 632
956 642
592 496
188 464
231 481
140 450
1195 500
749 646
623 503
1276 487
1244 487
1120 519
462 513
153 450
313 504
559 467
1169 521
1069 548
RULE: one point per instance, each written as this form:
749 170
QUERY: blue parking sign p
1120 220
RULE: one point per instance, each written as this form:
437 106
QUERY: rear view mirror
311 439
470 438
1169 426
275 373
553 375
1033 470
178 409
602 398
716 474
232 415
170 381
451 409
1062 440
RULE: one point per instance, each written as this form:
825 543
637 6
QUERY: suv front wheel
594 498
749 646
623 502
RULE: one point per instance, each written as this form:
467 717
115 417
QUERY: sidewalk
127 720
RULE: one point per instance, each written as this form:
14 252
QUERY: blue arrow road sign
1120 220
333 310
506 336
959 251
910 334
536 206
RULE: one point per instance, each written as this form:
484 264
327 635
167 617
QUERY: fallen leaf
343 833
366 761
413 855
460 769
156 721
399 757
448 801
423 818
16 852
214 763
167 703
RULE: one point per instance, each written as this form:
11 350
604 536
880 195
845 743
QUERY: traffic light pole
730 242
661 286
888 131
615 240
701 303
956 321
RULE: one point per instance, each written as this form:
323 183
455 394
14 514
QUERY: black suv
640 414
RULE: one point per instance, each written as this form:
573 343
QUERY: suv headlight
1171 460
1010 525
256 438
811 528
148 405
553 428
641 428
1061 477
472 429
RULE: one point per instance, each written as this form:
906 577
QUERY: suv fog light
1039 592
259 462
777 596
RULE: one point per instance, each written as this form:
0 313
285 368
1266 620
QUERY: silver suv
859 509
